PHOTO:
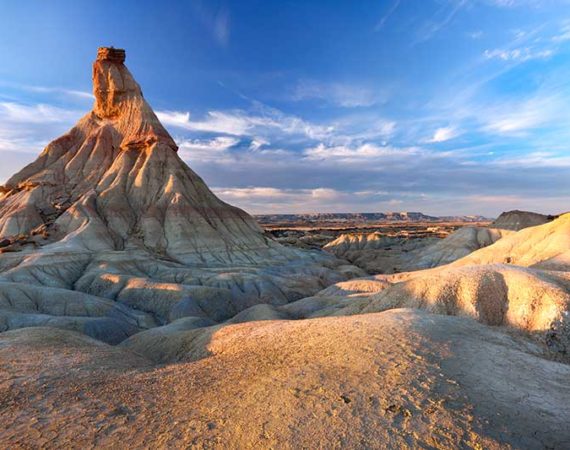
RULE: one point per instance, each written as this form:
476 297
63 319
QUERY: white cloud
522 116
513 3
55 90
518 54
214 122
257 192
242 123
444 134
441 19
216 20
34 114
264 200
534 160
28 128
564 34
257 143
340 94
384 128
386 16
358 154
206 149
221 26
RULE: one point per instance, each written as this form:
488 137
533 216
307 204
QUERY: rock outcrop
115 182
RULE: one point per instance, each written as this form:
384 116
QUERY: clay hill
223 338
517 220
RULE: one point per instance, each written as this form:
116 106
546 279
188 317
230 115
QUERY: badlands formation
377 253
137 307
109 232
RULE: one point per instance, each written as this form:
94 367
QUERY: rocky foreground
139 310
397 379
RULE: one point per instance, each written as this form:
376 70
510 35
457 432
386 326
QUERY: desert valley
139 310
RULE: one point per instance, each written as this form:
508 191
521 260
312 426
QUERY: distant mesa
403 216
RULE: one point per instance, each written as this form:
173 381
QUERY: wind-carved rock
118 97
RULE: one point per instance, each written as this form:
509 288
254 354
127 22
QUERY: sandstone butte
136 307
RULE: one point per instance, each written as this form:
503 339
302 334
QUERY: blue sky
439 106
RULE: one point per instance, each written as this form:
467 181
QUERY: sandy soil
397 379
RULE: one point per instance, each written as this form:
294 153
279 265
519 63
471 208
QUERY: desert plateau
139 308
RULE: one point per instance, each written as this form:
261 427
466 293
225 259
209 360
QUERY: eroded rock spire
118 97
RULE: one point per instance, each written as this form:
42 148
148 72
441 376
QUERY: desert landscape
138 307
177 280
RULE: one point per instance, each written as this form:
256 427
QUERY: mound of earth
126 236
409 380
530 300
377 253
517 220
522 281
546 246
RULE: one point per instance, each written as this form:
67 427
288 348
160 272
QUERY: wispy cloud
564 33
55 90
387 15
216 18
25 129
365 153
444 134
340 94
518 54
235 123
263 199
544 159
244 123
34 114
28 128
206 149
441 19
478 34
524 115
52 91
222 26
